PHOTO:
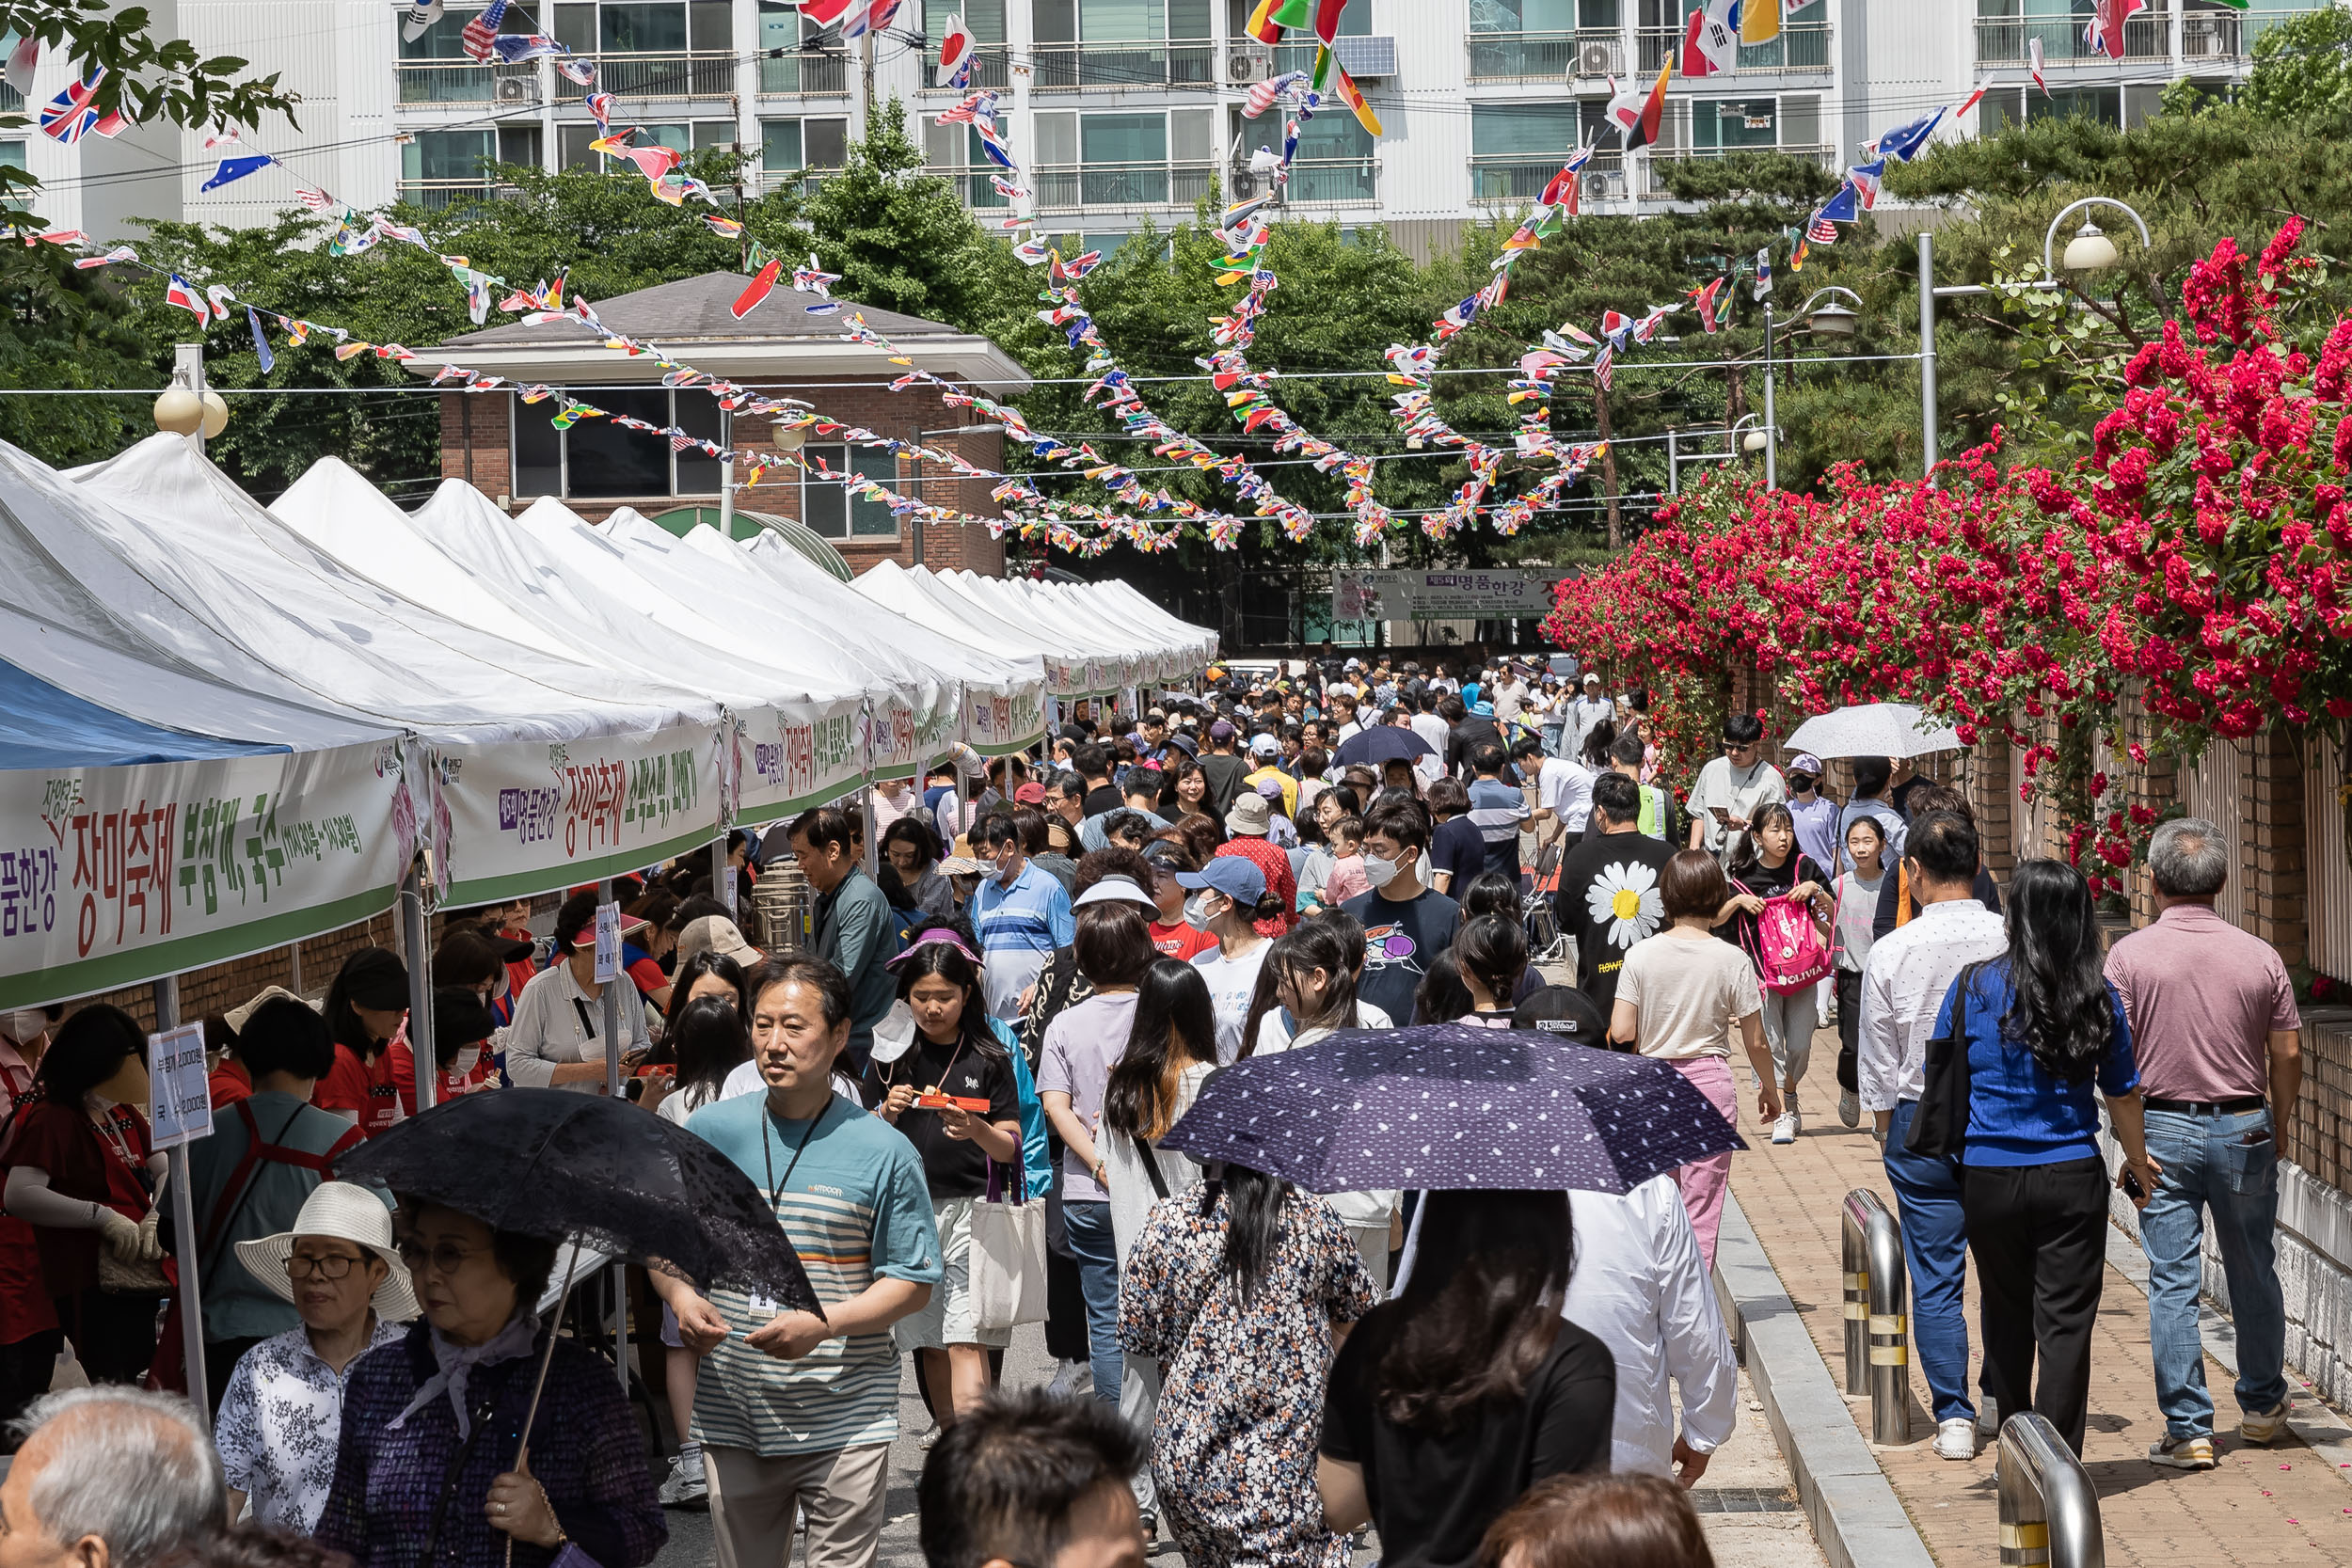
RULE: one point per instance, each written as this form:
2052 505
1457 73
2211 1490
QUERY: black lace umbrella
596 1172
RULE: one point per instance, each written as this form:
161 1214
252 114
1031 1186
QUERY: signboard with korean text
114 876
1443 595
179 1091
802 756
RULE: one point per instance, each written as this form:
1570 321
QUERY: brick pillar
1995 805
2272 856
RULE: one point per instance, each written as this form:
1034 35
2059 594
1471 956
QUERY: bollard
2049 1509
1878 1343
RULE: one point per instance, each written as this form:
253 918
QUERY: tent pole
424 1063
183 1228
612 1000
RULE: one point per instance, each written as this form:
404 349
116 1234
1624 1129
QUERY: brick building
511 451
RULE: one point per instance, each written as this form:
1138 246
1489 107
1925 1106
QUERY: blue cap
1231 874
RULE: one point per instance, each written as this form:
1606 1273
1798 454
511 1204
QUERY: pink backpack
1787 948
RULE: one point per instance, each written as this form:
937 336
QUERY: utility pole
865 69
1771 431
1607 465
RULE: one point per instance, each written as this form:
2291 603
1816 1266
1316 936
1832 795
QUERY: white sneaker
1067 1378
1956 1438
685 1488
1786 1127
1850 1107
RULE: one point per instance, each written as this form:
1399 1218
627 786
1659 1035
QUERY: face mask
1196 912
1379 870
466 1058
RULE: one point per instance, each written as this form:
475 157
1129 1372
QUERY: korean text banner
1458 595
526 816
112 876
798 756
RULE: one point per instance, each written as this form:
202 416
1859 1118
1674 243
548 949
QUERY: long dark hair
1311 946
1491 893
945 960
1175 1028
1750 855
2059 1004
1482 1309
708 961
1492 950
1253 1227
710 1038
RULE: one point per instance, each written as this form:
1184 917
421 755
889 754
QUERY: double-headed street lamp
1831 321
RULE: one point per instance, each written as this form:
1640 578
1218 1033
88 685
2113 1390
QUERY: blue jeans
2227 1166
1091 1244
1935 1245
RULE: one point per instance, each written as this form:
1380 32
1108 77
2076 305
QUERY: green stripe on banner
115 970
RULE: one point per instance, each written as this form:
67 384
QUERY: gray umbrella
1451 1106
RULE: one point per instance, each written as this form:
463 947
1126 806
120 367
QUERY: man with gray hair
2214 1030
109 1477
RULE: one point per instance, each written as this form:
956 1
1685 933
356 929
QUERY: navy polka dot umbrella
1448 1107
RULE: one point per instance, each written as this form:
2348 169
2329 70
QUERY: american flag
1822 231
682 443
478 33
315 200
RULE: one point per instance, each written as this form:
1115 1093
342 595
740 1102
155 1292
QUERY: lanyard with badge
760 1302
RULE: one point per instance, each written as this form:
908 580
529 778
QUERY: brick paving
2286 1505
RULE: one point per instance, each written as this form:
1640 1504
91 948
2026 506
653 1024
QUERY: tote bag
1007 1265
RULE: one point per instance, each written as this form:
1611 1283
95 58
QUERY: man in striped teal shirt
796 1412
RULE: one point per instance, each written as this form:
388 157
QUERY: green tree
2302 67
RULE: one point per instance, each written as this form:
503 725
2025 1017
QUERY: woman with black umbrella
432 1425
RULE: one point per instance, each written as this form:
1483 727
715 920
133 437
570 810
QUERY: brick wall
475 446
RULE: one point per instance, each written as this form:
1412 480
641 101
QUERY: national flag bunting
1763 273
180 293
1759 21
2034 63
955 52
70 116
1710 43
260 344
759 290
237 168
480 35
1637 117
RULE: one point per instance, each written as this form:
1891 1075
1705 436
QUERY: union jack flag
74 113
478 34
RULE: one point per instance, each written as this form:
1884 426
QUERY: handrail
1878 1343
2049 1508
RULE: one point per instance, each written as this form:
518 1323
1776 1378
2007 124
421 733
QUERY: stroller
1546 943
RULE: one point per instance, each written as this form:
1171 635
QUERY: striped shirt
1498 809
1030 916
857 1207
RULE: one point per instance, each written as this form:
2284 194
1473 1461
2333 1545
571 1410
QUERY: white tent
921 594
1102 664
1198 643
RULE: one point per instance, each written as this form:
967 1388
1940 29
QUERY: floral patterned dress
1233 1447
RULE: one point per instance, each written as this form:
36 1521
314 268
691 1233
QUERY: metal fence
821 74
1062 186
1123 65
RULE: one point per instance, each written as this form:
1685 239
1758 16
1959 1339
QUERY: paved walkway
2288 1505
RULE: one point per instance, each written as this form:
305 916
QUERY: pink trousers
1703 1182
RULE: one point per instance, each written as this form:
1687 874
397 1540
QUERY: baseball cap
1592 678
1031 794
1220 731
1156 716
1116 890
1805 762
1184 743
1231 874
1353 664
1264 745
1564 1011
715 933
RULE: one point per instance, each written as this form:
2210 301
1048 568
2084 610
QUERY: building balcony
439 195
708 73
808 74
991 67
1802 47
760 182
1078 66
1519 178
426 83
1590 55
1365 57
11 100
2003 41
1068 187
973 188
1316 181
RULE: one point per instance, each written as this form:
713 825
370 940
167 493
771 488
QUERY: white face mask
1197 913
467 1058
1379 870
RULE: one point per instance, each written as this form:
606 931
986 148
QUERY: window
788 147
436 156
645 27
1516 148
1335 161
1523 16
985 19
520 144
829 508
1151 157
686 136
954 150
608 461
1735 126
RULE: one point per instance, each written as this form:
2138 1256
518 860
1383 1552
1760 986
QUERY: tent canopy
46 726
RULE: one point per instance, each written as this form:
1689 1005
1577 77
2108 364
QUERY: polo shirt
1030 916
856 932
2202 998
857 1207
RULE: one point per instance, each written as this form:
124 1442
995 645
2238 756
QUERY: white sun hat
347 1213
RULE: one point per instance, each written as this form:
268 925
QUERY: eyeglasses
443 1258
332 1266
1738 745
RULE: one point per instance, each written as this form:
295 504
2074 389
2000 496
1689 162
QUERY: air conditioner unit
516 89
1248 64
1595 57
1604 187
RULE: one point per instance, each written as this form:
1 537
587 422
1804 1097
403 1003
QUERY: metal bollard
2049 1509
1878 1342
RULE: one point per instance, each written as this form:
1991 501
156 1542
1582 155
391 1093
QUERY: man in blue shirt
1020 915
856 930
796 1412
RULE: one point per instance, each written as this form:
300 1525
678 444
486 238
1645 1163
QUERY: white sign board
1443 595
180 1101
608 944
727 886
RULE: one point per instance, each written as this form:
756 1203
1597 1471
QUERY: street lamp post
1771 425
1832 320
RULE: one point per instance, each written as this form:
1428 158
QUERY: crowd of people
1013 992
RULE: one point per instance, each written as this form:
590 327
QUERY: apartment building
1122 110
